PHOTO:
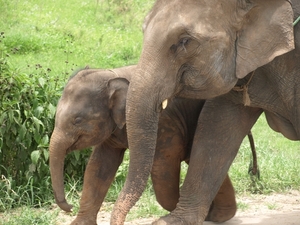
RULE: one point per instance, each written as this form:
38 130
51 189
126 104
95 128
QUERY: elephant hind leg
224 205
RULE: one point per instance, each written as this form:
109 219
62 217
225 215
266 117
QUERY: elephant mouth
69 150
84 141
74 146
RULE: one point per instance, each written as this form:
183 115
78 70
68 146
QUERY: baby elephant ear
266 32
117 93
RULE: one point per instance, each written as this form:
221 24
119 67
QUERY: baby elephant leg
224 205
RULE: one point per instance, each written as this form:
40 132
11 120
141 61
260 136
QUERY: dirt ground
275 209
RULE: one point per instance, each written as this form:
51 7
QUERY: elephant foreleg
165 172
99 174
171 150
221 128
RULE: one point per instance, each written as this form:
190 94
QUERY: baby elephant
91 112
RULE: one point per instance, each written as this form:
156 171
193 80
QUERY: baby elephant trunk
58 148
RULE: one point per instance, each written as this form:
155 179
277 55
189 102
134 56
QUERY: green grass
70 35
63 36
278 160
30 216
242 206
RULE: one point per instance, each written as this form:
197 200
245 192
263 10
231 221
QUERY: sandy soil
276 209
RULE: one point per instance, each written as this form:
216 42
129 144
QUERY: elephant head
83 119
194 49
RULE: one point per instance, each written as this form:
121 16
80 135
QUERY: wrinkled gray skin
199 49
91 112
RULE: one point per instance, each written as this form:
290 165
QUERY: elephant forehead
166 16
175 18
83 100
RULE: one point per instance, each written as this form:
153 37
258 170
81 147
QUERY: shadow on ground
288 218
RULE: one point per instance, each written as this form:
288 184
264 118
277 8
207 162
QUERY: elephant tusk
164 104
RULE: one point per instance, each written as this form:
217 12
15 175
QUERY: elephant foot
83 221
221 214
173 220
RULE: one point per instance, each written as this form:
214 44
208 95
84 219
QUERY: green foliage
27 114
29 194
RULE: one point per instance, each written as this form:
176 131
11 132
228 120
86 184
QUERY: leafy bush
27 113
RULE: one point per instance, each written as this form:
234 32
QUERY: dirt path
276 209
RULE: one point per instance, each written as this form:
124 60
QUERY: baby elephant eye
77 120
173 48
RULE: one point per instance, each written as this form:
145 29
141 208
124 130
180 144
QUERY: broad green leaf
22 131
11 116
45 140
77 155
37 123
35 102
17 117
35 155
3 116
52 110
28 139
46 154
37 136
38 111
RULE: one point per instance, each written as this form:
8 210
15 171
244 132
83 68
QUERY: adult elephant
91 112
198 49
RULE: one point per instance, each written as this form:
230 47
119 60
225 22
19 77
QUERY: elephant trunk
58 148
142 115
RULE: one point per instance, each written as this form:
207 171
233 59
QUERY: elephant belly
282 125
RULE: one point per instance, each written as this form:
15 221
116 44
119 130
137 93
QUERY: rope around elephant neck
244 89
296 21
114 72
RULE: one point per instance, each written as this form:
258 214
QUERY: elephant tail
253 167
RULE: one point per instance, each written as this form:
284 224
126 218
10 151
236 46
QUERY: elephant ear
117 92
266 32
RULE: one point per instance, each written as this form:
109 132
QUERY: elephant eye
184 41
180 45
183 44
77 121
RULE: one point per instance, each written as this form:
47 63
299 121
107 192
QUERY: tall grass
99 33
28 216
278 160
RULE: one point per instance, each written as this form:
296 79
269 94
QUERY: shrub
27 113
